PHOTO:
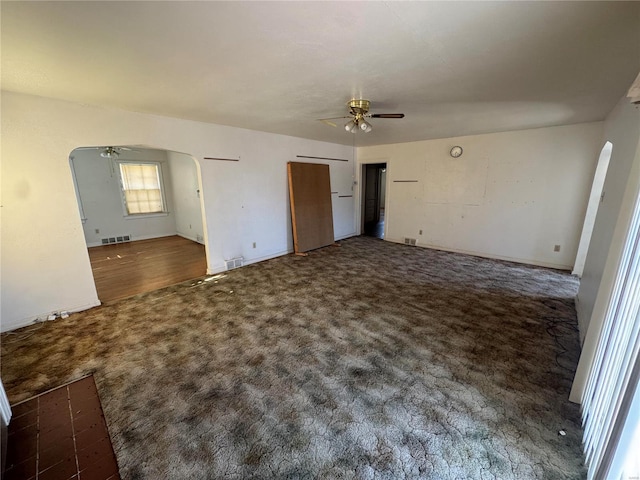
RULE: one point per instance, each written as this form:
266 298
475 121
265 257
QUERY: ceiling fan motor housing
359 106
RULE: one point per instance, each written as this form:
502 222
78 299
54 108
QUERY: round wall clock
456 152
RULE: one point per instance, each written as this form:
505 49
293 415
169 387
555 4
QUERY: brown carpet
369 361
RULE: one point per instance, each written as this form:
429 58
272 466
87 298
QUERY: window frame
123 198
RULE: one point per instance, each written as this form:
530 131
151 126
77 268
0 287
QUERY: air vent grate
234 263
410 241
118 239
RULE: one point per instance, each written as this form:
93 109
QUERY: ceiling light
351 126
365 126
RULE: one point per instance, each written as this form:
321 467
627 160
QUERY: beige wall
512 195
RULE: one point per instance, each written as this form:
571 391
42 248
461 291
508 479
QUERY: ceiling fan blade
327 121
387 115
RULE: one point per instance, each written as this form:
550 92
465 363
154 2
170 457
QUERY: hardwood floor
126 269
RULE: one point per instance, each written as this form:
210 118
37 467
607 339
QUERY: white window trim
134 216
125 210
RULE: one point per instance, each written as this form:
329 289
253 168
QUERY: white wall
98 184
45 265
622 188
592 208
512 195
622 129
185 189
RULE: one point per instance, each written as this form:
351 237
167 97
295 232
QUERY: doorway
142 218
373 204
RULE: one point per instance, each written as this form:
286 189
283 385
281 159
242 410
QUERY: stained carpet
369 361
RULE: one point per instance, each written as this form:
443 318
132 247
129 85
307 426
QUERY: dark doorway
373 213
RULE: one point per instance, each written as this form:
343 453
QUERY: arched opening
142 217
596 196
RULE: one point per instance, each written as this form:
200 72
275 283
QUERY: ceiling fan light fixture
365 126
110 153
351 126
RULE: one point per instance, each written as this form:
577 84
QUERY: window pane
142 189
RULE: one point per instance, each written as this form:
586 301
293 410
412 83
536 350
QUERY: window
142 188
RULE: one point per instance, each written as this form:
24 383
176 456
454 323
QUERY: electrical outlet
97 231
556 248
420 232
254 244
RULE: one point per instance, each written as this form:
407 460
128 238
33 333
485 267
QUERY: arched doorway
142 217
596 196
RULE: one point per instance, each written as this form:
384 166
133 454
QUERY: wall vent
234 263
410 241
118 239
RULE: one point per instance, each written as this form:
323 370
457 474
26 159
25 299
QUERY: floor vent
234 263
410 241
119 239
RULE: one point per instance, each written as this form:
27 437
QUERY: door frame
372 187
360 178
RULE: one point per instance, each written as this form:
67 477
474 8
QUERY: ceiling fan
358 113
109 152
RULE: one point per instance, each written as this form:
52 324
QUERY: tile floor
60 435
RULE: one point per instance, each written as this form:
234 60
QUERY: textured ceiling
454 68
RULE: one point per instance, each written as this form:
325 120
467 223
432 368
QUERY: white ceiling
454 68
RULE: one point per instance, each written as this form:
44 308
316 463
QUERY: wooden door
311 211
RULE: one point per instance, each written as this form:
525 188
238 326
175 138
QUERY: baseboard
43 316
193 239
268 257
524 261
582 321
348 235
223 268
135 239
216 269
